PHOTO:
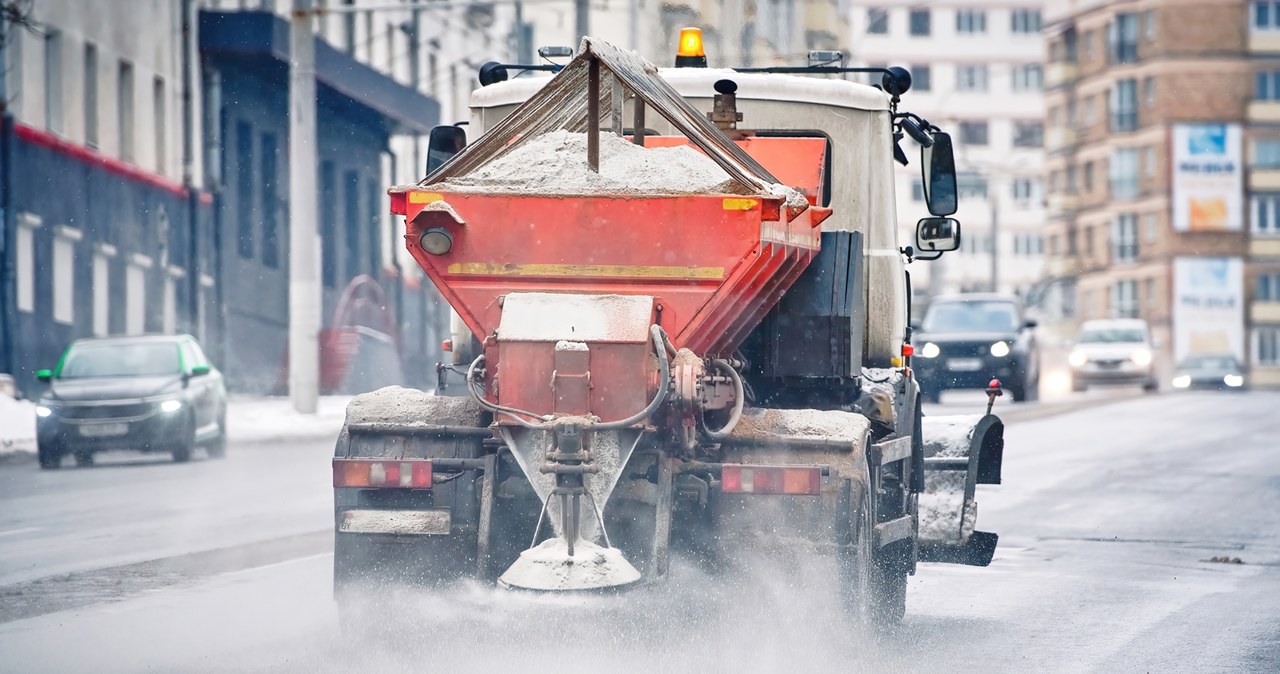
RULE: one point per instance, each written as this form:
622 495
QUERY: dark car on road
967 340
151 393
1219 372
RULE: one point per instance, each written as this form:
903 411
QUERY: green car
152 394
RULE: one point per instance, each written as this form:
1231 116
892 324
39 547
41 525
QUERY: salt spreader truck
684 313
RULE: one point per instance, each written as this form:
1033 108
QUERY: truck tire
873 587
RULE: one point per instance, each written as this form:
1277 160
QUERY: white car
1113 351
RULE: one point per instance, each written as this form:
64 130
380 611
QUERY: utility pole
582 18
304 246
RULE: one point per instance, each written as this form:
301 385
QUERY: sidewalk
17 427
273 419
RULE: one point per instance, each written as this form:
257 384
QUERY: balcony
1061 73
1265 312
1264 178
1264 42
1062 202
1060 138
1264 111
1264 247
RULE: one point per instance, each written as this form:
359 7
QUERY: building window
971 185
1055 116
1266 15
25 264
270 201
973 133
921 78
1266 153
102 290
1070 45
1149 161
1151 225
64 274
244 189
1124 105
1123 173
124 113
1026 189
971 21
917 190
1026 21
1028 134
328 224
1124 238
1268 288
135 291
169 301
1028 77
349 28
160 102
919 21
1266 213
53 81
1088 177
1149 24
1072 185
1122 38
1267 86
1266 345
352 223
877 21
1087 50
971 78
91 95
1149 91
1124 299
1090 111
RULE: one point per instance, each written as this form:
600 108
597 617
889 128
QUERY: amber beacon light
690 53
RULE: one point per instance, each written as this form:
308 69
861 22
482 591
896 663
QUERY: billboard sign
1208 178
1208 306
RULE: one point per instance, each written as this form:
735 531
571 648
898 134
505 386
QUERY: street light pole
582 18
993 198
304 245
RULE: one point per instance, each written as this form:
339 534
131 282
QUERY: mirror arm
936 255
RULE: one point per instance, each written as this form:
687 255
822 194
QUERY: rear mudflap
961 452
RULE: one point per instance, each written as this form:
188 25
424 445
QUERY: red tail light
792 480
401 474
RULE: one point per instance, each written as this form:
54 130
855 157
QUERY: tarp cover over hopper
580 288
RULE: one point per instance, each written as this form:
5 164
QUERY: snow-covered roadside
17 426
259 419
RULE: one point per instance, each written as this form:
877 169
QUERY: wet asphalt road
1107 519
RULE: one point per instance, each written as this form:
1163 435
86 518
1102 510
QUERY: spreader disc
548 567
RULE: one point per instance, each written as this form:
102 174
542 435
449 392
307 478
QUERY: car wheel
84 459
50 456
182 451
1079 386
1151 386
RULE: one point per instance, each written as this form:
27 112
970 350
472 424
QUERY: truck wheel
50 456
874 590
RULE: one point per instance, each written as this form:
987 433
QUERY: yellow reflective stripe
425 197
739 204
608 270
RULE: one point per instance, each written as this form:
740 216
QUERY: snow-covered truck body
689 308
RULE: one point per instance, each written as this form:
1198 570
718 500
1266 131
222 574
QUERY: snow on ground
259 419
17 426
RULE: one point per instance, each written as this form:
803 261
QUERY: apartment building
1163 142
977 73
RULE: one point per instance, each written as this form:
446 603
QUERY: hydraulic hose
739 392
495 408
659 337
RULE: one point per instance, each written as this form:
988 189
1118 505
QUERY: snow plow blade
961 452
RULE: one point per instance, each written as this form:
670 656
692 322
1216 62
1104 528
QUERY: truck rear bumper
433 522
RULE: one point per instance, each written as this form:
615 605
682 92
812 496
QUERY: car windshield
971 317
137 359
1210 363
1112 336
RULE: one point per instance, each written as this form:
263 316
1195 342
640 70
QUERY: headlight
1141 357
930 350
1233 380
170 406
42 411
1182 381
1000 349
1078 358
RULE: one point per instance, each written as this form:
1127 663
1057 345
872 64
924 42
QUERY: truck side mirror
938 169
45 376
937 235
443 144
